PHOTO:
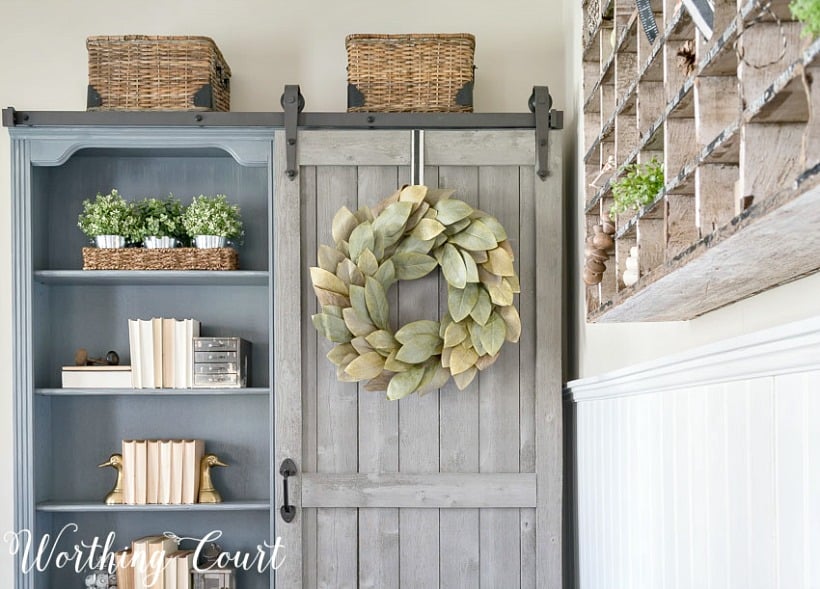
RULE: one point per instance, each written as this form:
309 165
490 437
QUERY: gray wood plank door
456 488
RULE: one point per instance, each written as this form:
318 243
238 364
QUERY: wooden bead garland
596 252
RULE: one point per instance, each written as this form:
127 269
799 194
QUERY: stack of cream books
155 562
161 472
162 352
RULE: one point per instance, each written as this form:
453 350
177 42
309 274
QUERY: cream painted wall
267 44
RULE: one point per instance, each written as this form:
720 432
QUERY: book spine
134 346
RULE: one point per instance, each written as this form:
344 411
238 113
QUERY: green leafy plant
108 214
807 12
212 215
638 186
159 217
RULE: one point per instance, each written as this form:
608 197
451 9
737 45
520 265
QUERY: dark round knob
112 358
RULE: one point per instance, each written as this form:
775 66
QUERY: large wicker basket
410 73
138 72
180 258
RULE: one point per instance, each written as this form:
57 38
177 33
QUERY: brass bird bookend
115 497
207 492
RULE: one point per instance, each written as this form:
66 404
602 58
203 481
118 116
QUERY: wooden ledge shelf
739 147
763 247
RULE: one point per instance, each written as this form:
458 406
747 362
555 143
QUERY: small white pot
109 241
210 241
154 242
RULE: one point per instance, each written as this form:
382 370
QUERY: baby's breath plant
160 218
212 215
108 214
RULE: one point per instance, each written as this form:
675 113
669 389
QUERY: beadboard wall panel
699 480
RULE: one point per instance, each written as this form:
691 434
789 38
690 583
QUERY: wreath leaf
463 379
329 258
493 334
419 349
327 281
376 302
500 262
512 321
476 236
333 328
483 307
462 359
361 239
428 229
344 222
365 367
404 383
413 265
452 264
452 210
357 325
462 300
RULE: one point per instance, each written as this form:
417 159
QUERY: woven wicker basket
410 73
180 258
138 72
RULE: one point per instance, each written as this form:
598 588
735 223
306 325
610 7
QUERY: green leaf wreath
405 237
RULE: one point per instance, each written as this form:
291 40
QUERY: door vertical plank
309 359
458 437
337 409
419 438
525 265
378 427
499 404
286 360
549 248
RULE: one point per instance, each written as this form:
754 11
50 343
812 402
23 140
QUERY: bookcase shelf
734 130
158 277
153 393
98 506
63 434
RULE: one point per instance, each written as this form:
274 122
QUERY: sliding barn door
453 489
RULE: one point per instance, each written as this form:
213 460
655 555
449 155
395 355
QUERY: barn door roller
545 119
292 102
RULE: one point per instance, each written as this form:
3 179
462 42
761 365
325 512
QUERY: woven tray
139 72
410 73
180 258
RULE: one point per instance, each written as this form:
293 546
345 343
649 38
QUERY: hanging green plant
807 12
405 237
638 186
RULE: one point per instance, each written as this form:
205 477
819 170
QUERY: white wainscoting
702 470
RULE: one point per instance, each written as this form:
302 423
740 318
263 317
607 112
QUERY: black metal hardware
204 97
464 97
287 469
355 98
540 103
94 99
293 102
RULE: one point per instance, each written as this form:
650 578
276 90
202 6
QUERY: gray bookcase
62 434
